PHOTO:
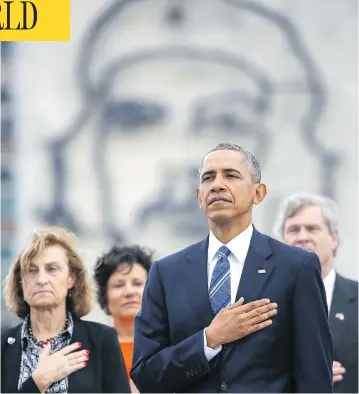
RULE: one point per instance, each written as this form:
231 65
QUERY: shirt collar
239 245
329 281
25 336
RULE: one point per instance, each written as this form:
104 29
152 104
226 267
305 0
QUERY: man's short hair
295 202
251 161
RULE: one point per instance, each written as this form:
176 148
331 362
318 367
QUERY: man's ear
335 236
198 197
260 193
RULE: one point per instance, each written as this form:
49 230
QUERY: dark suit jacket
345 332
292 355
105 371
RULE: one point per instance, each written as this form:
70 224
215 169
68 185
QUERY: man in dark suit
311 222
209 320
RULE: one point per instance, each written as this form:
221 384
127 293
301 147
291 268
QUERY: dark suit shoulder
349 285
11 332
292 254
14 332
181 254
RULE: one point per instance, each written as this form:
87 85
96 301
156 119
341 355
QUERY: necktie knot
224 251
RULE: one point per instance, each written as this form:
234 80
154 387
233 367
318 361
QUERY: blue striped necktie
220 288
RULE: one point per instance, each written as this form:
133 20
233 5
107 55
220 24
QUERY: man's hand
238 320
338 372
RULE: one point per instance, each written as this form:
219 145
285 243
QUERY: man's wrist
211 342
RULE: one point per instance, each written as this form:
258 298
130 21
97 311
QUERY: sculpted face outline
101 92
132 92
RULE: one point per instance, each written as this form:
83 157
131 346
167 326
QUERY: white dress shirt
329 283
239 248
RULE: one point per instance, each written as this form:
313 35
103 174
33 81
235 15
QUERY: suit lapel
256 272
77 379
196 280
257 269
339 312
12 359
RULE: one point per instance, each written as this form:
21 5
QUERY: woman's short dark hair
108 263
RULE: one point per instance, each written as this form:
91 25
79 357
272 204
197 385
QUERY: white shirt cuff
208 351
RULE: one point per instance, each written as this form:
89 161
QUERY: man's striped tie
220 288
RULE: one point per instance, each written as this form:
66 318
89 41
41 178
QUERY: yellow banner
35 20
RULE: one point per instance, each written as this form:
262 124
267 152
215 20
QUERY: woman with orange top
120 275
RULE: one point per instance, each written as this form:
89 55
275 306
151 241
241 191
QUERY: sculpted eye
134 113
226 121
228 111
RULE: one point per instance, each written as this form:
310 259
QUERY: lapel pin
10 340
339 316
261 271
